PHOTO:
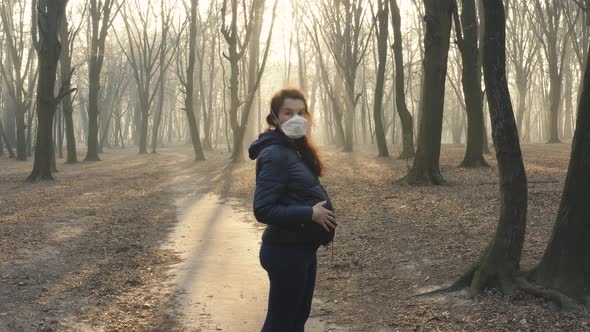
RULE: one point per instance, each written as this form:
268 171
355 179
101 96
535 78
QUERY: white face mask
295 127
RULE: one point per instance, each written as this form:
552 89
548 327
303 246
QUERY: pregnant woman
298 213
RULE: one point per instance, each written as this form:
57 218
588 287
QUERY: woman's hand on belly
323 216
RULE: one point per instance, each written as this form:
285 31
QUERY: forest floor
88 251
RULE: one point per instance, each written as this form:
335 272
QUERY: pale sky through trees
283 24
280 56
294 59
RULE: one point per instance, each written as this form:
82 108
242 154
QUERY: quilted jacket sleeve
271 183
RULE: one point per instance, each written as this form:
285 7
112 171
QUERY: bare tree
163 66
565 266
115 88
522 51
253 64
212 25
301 44
547 18
347 39
580 41
332 88
67 37
208 35
400 93
499 262
237 47
17 68
382 32
51 13
187 81
101 19
144 56
466 33
426 169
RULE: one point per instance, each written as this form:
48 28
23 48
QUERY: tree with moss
565 266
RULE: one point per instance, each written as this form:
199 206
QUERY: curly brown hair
307 150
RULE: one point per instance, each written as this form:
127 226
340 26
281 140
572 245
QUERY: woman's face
291 107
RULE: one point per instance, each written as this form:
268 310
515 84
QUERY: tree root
520 283
461 283
562 300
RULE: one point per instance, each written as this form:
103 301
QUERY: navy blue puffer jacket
286 191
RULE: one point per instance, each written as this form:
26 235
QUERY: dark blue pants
292 273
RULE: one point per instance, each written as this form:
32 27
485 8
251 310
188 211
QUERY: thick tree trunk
498 264
565 266
48 50
400 98
425 169
382 35
99 13
471 79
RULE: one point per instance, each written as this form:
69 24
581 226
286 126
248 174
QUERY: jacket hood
265 139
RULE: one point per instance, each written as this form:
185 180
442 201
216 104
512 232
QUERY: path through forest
220 280
161 243
133 243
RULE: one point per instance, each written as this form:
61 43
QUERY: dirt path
222 284
131 243
160 243
82 253
395 241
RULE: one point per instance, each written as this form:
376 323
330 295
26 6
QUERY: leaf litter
83 252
